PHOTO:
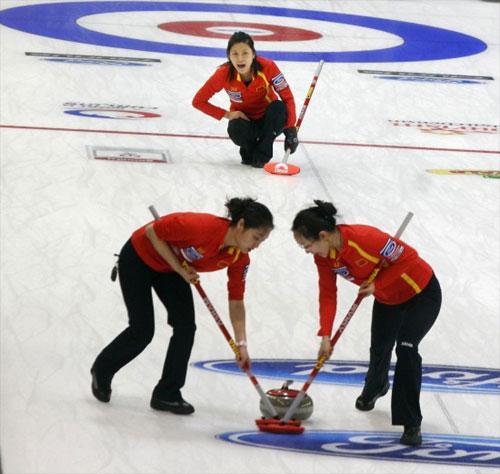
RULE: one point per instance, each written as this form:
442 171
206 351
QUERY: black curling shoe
259 159
246 157
367 403
101 388
411 436
178 407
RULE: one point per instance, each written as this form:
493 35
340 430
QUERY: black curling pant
257 136
405 325
136 281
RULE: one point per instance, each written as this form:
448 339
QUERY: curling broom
283 168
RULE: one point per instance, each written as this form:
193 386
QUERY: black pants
404 325
256 137
136 281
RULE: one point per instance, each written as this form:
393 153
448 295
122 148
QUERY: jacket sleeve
236 275
280 85
201 100
327 280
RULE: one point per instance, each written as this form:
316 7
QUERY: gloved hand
291 139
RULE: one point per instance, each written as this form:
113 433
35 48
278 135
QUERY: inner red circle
201 28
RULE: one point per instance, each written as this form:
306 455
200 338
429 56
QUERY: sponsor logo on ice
436 448
446 128
93 60
138 155
110 111
437 378
426 77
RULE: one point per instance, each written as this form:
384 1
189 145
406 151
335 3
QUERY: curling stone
282 398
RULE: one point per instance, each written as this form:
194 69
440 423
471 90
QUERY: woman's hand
325 348
236 114
366 289
189 274
243 359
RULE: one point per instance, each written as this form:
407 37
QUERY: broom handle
293 407
304 107
226 334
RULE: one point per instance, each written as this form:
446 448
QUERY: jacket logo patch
235 96
190 254
389 247
344 273
392 251
279 82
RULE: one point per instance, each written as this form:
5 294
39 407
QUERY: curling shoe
364 403
411 436
101 387
178 406
246 156
259 159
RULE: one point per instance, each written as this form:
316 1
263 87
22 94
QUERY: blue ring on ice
419 42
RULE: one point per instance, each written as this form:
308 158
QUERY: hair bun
326 209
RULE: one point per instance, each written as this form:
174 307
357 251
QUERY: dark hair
311 221
254 214
241 37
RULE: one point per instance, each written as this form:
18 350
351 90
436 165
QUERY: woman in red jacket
407 302
256 115
166 256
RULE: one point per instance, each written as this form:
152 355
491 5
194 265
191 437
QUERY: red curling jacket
198 239
252 99
403 275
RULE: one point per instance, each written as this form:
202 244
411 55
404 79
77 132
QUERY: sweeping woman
407 302
165 256
256 115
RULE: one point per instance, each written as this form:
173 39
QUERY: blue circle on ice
419 42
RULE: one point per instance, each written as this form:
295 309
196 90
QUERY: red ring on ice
224 29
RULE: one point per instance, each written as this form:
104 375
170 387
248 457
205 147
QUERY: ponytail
311 221
254 214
